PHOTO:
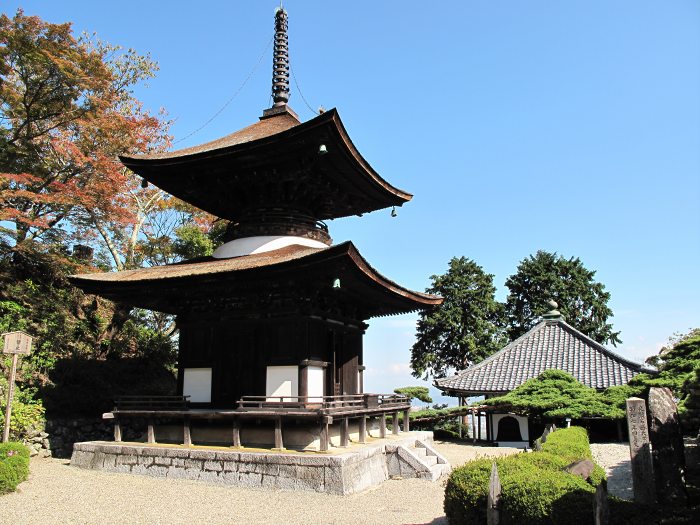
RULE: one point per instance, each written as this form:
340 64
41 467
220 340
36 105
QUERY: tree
557 394
545 276
66 112
465 328
679 369
420 393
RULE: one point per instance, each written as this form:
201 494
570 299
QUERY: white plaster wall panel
315 383
282 381
197 384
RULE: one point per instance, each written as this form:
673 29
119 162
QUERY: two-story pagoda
277 313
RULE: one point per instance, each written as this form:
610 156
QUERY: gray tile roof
550 344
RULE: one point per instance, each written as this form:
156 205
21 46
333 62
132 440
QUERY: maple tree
66 112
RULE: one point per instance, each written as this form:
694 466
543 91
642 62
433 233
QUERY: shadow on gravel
436 521
620 480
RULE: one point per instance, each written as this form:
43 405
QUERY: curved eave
172 288
421 300
195 177
454 392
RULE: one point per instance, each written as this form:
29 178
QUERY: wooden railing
323 409
151 403
326 404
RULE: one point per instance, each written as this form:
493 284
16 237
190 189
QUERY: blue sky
565 126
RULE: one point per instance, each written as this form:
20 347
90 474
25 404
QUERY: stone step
438 470
430 460
419 451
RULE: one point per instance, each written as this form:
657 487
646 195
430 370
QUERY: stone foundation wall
344 473
59 435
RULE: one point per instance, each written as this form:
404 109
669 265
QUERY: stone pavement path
615 459
57 493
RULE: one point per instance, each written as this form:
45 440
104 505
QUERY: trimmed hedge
535 488
14 466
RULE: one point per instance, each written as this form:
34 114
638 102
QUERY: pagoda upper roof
276 162
180 287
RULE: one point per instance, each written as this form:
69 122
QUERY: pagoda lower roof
309 273
275 162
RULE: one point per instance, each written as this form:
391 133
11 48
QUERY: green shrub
420 393
27 412
569 443
535 487
572 444
24 419
466 492
14 466
13 448
533 496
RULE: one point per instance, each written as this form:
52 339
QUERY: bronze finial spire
280 60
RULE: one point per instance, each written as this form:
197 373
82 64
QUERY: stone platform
342 471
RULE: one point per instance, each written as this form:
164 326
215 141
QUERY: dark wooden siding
240 351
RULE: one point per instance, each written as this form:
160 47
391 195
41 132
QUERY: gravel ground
615 459
58 493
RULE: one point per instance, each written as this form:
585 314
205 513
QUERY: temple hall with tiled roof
550 344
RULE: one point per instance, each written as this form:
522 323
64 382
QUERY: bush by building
14 466
536 490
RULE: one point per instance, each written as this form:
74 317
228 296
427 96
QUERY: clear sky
565 126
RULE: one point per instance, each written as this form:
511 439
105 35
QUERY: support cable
228 102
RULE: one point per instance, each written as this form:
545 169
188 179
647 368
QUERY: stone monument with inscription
640 451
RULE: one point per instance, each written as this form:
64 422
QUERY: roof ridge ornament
553 314
280 60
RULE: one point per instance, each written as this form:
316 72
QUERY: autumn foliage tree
66 111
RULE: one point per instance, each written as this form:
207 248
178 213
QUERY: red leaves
67 113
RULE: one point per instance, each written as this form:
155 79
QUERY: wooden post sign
16 343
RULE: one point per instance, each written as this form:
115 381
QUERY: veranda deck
323 410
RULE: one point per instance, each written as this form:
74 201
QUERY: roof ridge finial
553 314
280 60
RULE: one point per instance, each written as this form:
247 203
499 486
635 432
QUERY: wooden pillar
186 432
344 433
236 432
279 443
363 429
478 418
325 437
406 420
473 428
460 419
395 423
619 430
151 430
10 395
117 429
382 426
